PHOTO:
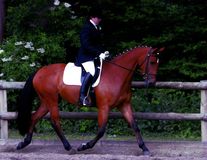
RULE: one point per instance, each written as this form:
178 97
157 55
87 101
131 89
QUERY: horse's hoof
146 153
72 151
20 145
68 147
83 147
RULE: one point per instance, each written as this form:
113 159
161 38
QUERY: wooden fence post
203 110
3 108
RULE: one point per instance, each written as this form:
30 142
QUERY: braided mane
127 50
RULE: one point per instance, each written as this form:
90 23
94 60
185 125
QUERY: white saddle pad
72 75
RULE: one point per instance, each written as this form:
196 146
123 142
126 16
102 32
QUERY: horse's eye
152 62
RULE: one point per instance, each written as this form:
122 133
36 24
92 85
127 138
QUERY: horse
113 91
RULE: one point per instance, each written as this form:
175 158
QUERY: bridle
146 75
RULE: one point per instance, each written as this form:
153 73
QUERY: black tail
24 104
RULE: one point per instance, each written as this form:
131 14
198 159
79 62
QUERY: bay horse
113 91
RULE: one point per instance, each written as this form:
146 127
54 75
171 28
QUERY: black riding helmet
95 12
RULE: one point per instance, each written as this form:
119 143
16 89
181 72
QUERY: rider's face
96 20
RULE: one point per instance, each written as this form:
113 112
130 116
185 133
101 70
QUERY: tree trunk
2 16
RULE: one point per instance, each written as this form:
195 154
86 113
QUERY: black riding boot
83 100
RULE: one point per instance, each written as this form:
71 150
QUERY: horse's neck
125 65
130 59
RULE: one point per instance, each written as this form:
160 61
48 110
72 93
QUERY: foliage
27 56
41 32
179 26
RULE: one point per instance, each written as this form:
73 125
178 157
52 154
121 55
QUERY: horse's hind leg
128 115
42 110
55 121
102 122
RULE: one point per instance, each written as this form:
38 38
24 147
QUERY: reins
130 70
134 70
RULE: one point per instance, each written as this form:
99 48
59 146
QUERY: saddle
73 74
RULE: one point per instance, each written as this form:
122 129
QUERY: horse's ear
158 50
161 49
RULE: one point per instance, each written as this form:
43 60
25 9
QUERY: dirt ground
105 150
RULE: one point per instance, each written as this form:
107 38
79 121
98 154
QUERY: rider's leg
90 72
84 90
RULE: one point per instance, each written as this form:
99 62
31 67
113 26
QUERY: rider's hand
104 55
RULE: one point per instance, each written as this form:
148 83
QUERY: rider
91 48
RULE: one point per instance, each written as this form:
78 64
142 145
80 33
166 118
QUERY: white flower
28 45
1 74
41 50
56 2
73 17
11 80
32 48
1 51
6 59
32 64
25 58
18 43
67 5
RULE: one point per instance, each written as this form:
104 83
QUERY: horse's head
149 63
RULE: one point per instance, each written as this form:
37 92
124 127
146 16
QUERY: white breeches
89 67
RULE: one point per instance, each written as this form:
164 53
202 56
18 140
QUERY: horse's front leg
128 115
102 122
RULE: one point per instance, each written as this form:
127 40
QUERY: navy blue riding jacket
91 43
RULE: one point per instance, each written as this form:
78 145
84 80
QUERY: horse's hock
202 116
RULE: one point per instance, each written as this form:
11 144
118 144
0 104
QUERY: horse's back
48 77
